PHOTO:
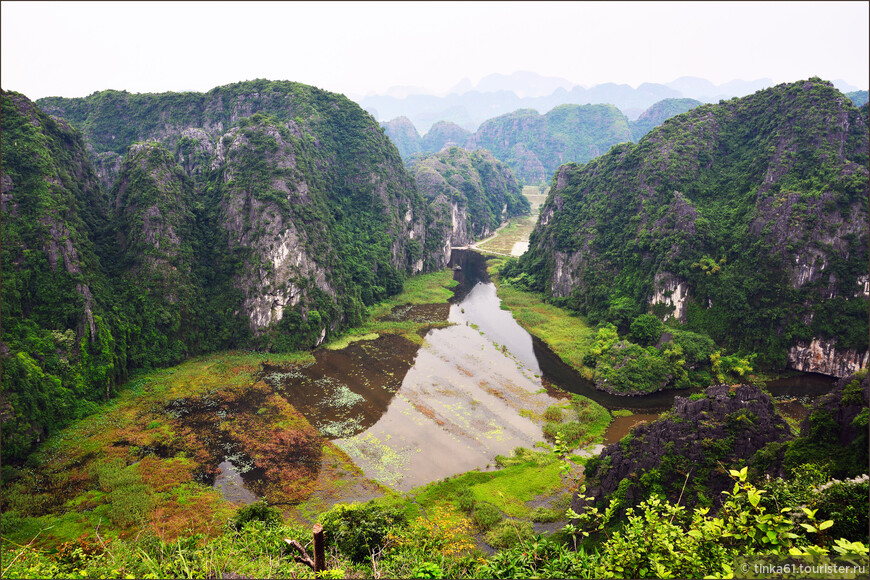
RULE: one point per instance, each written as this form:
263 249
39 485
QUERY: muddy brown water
622 426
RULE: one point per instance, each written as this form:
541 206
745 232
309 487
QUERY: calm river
409 415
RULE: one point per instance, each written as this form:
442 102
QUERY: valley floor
145 464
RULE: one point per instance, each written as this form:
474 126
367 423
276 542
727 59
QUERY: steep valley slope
142 229
746 220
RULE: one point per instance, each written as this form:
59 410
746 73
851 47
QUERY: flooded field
408 414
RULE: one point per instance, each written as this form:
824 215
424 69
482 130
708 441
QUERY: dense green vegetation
858 98
643 357
442 134
61 350
658 114
400 540
534 145
404 136
483 190
258 215
743 202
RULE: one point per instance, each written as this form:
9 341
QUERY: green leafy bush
646 330
509 533
257 512
486 516
357 530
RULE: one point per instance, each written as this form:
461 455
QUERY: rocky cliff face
823 357
686 447
295 191
471 193
745 220
257 212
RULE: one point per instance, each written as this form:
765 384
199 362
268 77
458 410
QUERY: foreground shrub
260 512
486 516
359 530
509 533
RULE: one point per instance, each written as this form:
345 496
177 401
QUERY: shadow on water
347 391
532 351
804 386
408 414
795 394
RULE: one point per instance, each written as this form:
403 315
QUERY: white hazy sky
73 49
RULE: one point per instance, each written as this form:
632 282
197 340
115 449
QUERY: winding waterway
409 415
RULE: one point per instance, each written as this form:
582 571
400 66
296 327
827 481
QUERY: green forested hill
471 193
534 145
442 134
59 354
404 136
858 98
746 220
258 214
658 114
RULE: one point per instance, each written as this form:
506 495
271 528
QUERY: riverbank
568 335
146 460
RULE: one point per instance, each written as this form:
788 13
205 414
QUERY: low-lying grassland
127 491
145 461
519 229
567 334
430 289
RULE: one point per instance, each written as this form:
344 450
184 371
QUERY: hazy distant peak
689 86
741 88
702 89
462 87
522 83
400 92
844 87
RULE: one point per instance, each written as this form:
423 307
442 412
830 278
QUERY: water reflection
408 415
347 391
458 407
482 307
231 486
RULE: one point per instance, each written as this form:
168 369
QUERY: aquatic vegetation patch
386 464
345 340
339 480
340 429
340 395
578 422
148 457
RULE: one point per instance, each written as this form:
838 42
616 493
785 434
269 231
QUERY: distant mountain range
534 145
470 105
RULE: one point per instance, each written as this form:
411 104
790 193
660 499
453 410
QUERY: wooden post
319 553
319 563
